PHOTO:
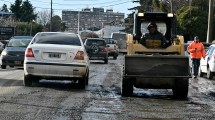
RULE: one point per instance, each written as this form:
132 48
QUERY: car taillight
114 47
29 53
79 55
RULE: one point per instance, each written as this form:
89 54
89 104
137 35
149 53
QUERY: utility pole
210 21
171 6
78 21
190 4
51 18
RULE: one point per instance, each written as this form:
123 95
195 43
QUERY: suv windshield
118 36
161 27
110 41
95 41
57 38
19 42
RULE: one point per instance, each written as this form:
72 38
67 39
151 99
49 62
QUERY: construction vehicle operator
153 34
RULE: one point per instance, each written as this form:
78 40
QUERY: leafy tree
145 5
129 23
23 28
24 11
63 26
195 23
194 19
4 8
27 12
57 24
43 17
160 5
16 8
201 4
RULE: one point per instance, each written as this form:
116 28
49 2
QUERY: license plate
17 62
54 55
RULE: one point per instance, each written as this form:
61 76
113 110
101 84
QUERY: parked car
2 44
96 49
207 65
13 53
113 49
56 55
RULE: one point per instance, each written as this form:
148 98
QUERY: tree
16 8
196 23
63 26
194 19
24 11
23 28
201 4
160 5
27 12
4 8
145 5
56 24
43 17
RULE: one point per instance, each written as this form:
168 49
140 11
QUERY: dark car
96 49
113 49
13 54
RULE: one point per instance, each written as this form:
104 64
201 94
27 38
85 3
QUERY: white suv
56 55
207 65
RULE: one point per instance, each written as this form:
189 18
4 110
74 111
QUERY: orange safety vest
196 50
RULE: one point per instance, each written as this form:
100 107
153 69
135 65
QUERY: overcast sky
121 6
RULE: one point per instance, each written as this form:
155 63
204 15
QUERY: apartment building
90 19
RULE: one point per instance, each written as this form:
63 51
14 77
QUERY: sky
120 6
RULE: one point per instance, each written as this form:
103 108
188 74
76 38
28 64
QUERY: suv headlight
4 53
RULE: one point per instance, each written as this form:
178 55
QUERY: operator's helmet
152 24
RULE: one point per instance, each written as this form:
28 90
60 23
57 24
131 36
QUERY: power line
116 4
100 6
78 4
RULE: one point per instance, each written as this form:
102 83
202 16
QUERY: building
88 19
6 18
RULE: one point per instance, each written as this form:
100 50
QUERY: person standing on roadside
197 51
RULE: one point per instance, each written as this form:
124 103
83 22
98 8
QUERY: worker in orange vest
197 51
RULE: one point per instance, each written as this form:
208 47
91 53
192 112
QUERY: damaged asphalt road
101 100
